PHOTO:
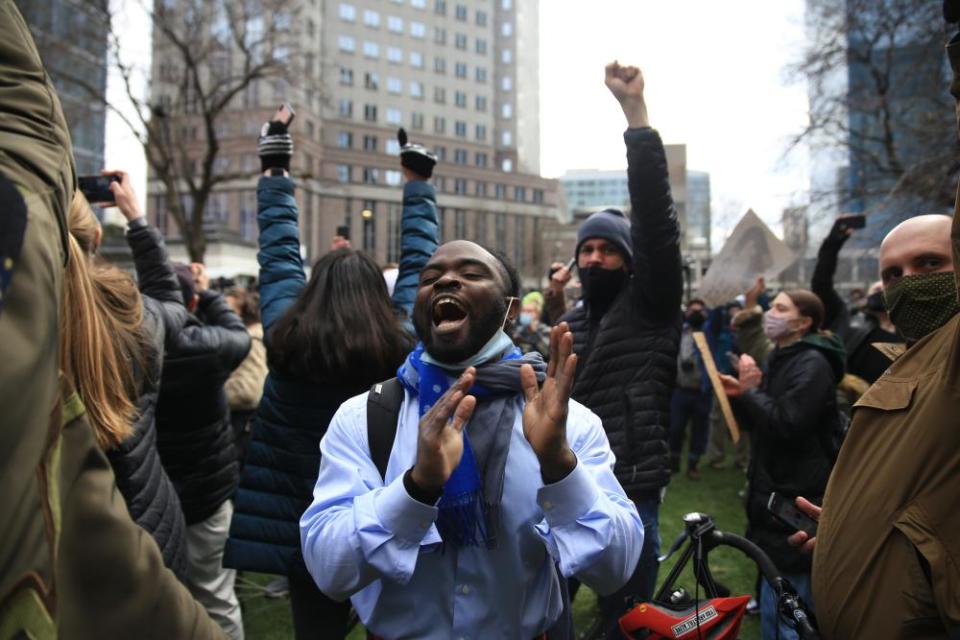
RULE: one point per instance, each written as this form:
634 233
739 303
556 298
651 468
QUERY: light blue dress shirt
370 541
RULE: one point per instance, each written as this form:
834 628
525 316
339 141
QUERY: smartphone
285 114
855 222
787 512
96 189
569 265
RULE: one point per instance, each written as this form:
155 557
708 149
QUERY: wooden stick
714 376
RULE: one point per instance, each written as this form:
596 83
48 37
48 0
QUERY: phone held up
285 114
787 512
855 222
96 189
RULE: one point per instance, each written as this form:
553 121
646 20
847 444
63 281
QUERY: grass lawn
716 494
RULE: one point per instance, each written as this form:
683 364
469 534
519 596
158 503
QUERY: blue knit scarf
470 504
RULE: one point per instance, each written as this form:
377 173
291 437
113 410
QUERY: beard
481 329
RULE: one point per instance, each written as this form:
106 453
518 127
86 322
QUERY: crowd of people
431 444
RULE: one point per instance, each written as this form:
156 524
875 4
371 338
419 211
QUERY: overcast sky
715 81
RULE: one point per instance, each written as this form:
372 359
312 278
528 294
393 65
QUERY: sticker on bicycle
691 623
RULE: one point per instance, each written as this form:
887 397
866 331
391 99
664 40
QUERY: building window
370 143
391 147
416 89
371 175
439 35
480 227
460 129
345 140
394 85
480 132
439 124
461 70
392 177
480 159
460 41
506 138
395 55
441 154
371 18
394 116
506 56
346 76
460 186
538 196
394 24
440 65
506 29
347 44
461 12
460 156
440 7
346 108
371 81
480 104
369 223
480 189
370 112
418 4
460 99
481 74
506 5
460 224
393 228
371 49
416 121
347 12
418 30
506 110
343 173
519 241
481 46
416 60
506 83
500 191
520 194
481 18
507 165
440 95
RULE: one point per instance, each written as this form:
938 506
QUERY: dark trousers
692 405
315 616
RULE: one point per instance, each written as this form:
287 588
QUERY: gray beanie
611 225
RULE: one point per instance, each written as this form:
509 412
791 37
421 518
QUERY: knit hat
416 157
610 225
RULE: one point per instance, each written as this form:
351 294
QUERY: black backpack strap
383 411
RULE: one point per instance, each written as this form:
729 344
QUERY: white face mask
776 327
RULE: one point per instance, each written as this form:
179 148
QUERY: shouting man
627 331
493 479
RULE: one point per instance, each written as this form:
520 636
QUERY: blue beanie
611 225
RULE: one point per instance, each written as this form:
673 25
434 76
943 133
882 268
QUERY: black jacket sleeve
836 317
810 382
655 232
222 333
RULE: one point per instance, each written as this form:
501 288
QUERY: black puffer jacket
194 435
628 357
141 478
790 419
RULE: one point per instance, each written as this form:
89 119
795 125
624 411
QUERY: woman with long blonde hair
112 337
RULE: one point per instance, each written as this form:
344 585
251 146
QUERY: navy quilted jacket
283 458
628 356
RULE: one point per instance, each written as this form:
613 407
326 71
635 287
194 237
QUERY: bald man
886 556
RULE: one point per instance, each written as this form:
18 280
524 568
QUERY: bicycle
674 614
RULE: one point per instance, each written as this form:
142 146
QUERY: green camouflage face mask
919 305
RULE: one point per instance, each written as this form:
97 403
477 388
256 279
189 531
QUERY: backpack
383 412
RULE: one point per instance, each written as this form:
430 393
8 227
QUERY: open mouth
448 314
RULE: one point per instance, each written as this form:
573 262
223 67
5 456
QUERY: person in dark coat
196 440
327 340
627 328
791 412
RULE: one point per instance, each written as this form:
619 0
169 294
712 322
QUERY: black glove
275 146
416 157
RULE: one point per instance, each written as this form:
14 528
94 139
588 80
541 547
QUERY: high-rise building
698 214
71 36
460 76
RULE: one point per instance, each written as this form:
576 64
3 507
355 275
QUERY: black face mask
601 286
696 319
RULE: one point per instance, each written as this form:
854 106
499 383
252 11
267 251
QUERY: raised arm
281 268
657 267
836 317
419 237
